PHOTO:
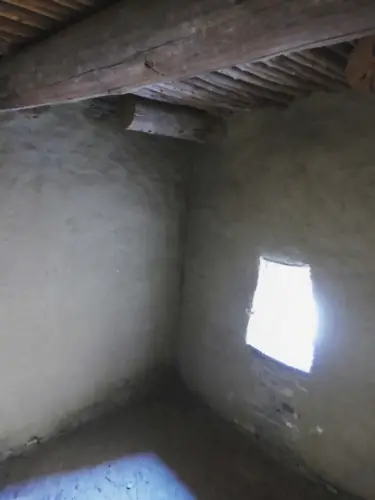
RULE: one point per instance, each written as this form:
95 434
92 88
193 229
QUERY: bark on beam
143 42
157 118
180 122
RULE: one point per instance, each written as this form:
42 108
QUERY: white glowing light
283 321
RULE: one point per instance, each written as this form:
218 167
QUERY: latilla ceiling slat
150 93
73 5
10 38
321 59
318 68
26 21
24 16
278 97
19 29
245 73
342 49
273 81
277 76
43 7
224 95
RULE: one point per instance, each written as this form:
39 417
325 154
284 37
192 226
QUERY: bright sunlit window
283 319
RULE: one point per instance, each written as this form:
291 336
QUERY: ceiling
26 21
276 81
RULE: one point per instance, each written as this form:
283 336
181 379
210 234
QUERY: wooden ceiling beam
157 118
179 122
138 43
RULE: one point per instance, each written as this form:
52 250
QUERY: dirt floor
159 450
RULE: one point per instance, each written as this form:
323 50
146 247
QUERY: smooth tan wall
298 183
89 266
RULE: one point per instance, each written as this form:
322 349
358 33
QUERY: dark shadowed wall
296 184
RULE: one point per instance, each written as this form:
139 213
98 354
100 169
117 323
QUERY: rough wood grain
152 117
137 43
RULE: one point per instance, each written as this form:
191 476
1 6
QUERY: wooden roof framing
215 55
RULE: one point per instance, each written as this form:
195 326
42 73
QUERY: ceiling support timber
158 118
138 43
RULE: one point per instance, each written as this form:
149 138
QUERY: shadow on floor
158 450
